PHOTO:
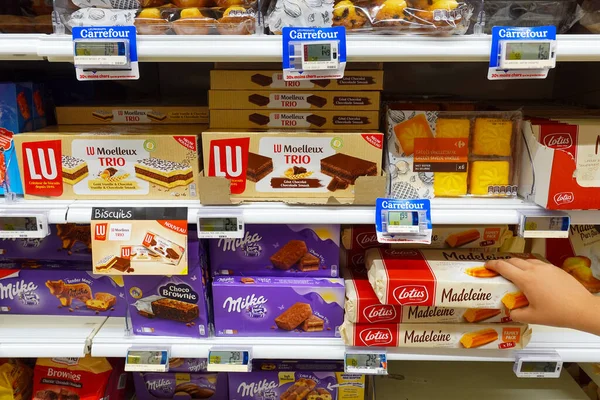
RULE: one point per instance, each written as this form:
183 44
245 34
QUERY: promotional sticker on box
279 250
139 241
70 165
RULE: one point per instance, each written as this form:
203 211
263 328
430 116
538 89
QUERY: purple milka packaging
187 379
258 306
68 242
60 292
171 305
251 255
272 385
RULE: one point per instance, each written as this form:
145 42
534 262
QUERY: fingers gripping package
363 306
447 335
265 306
442 278
441 17
295 167
451 154
162 17
296 385
279 250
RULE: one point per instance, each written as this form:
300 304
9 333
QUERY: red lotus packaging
71 378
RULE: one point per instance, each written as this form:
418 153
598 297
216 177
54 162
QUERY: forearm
588 317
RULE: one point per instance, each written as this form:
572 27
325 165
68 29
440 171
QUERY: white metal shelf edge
268 48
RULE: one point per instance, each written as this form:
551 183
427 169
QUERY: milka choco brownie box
132 115
443 278
270 80
342 120
363 306
296 167
279 250
294 385
272 306
293 100
180 385
171 305
71 165
65 291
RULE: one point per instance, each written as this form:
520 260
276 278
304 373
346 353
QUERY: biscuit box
447 335
60 292
69 165
284 100
16 116
290 119
295 167
69 242
279 250
560 166
268 80
291 385
271 306
171 305
363 306
579 255
131 115
442 278
452 154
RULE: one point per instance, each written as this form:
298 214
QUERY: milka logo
376 336
379 313
158 384
241 303
12 290
234 244
564 197
411 294
558 140
366 239
254 388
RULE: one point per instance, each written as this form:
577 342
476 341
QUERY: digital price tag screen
538 365
366 363
147 361
21 226
229 361
531 54
320 55
101 54
213 227
402 222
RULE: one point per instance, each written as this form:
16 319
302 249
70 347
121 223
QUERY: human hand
555 297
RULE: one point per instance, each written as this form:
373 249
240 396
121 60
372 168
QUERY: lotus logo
376 337
379 313
367 239
411 294
564 198
401 253
358 259
558 140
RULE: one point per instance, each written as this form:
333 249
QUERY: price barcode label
547 225
147 361
23 226
366 363
229 361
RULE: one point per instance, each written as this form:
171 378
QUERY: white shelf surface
56 209
268 48
47 336
111 341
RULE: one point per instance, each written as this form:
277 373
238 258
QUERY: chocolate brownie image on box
347 168
289 254
165 173
174 310
259 100
293 316
259 119
317 101
262 80
309 262
316 120
258 167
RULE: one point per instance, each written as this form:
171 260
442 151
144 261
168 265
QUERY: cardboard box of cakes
72 165
128 114
293 167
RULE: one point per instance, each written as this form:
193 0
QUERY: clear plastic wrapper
26 16
433 17
71 13
590 19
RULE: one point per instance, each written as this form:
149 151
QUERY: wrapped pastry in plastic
72 13
435 17
26 16
232 20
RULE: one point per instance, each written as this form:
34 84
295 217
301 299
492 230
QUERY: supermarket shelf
268 48
56 209
47 336
111 341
